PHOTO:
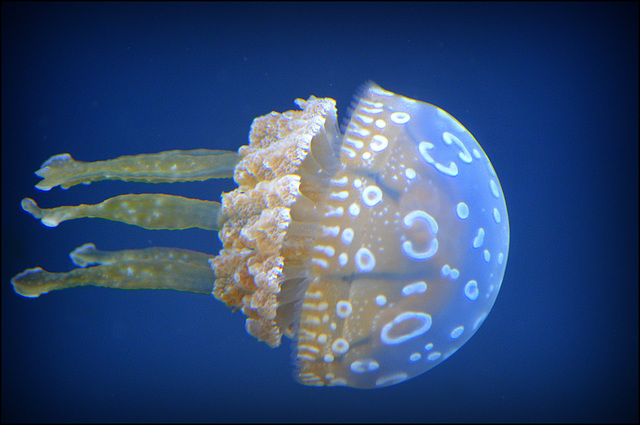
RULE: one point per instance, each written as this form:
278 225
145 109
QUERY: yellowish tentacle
163 167
147 210
151 268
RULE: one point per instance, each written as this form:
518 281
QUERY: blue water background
549 90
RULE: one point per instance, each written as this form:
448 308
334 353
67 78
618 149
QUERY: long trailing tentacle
162 167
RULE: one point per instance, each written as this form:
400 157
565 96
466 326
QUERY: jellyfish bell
379 249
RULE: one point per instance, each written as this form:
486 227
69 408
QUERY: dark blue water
549 90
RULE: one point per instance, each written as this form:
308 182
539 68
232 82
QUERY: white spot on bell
400 117
371 195
434 356
496 215
330 231
410 173
358 144
414 288
343 309
334 212
462 210
455 334
320 262
378 143
417 324
365 261
380 124
407 246
364 365
347 236
341 181
471 290
364 119
340 346
494 188
339 195
354 210
479 239
464 154
391 379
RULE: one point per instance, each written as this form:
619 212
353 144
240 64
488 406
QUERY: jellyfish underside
273 175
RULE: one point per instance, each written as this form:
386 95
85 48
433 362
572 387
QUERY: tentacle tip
45 187
23 288
78 255
50 170
56 161
49 222
30 206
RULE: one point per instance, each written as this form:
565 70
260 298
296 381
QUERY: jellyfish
379 246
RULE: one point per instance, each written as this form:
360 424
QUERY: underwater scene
366 212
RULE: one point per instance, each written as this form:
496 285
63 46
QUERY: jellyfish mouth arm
150 211
163 167
151 268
